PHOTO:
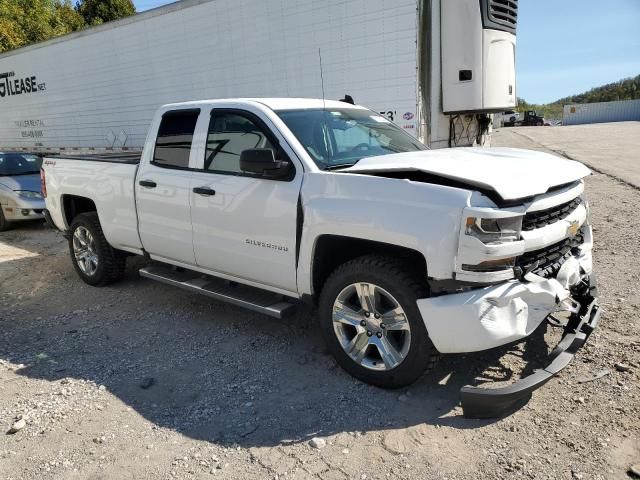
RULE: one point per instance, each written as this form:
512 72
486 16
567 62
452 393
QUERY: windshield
341 137
19 164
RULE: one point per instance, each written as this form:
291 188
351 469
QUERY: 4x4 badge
573 228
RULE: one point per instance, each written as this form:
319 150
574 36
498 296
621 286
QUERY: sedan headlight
492 231
29 194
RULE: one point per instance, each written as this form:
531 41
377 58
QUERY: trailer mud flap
478 402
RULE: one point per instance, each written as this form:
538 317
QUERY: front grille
542 218
551 258
500 14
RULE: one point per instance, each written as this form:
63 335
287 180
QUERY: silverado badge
573 228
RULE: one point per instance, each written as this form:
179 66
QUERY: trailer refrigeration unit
437 68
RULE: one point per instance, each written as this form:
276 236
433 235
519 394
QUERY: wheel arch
74 205
330 251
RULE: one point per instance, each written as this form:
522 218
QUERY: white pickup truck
408 253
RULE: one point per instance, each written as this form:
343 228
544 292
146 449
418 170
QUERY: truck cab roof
272 103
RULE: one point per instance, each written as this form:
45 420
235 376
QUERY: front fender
419 216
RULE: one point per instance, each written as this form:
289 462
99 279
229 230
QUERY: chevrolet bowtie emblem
573 228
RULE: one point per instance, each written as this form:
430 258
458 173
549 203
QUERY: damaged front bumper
480 402
485 318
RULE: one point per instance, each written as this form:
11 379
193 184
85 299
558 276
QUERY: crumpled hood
510 172
22 182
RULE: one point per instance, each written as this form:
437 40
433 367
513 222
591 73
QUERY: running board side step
262 301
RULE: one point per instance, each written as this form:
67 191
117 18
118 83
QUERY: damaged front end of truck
524 254
495 315
537 262
584 315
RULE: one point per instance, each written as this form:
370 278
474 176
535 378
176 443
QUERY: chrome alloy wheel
84 251
371 326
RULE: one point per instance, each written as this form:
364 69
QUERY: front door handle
207 192
147 183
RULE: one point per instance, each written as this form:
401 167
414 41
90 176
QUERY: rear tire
395 288
96 262
4 225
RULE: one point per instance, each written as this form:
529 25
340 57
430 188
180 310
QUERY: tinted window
174 138
229 135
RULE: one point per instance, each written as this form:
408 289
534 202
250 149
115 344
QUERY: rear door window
175 137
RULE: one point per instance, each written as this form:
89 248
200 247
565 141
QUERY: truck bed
132 158
106 180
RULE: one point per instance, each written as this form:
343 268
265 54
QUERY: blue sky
569 46
142 5
566 46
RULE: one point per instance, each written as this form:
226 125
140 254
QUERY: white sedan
20 191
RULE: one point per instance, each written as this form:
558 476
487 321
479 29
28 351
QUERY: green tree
626 89
68 17
96 12
11 35
522 105
23 22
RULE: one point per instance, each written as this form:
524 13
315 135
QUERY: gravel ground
140 380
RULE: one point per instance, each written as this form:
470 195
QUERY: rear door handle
207 192
147 183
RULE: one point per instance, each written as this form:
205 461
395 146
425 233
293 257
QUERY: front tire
4 224
96 262
370 321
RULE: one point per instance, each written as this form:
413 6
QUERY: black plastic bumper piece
478 402
48 219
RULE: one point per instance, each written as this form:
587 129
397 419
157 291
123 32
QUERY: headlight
29 194
491 231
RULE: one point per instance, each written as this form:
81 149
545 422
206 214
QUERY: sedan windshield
19 164
341 137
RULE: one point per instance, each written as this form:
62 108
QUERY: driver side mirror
262 161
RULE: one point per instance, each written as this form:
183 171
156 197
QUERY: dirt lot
139 380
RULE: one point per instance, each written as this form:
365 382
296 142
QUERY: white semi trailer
437 68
